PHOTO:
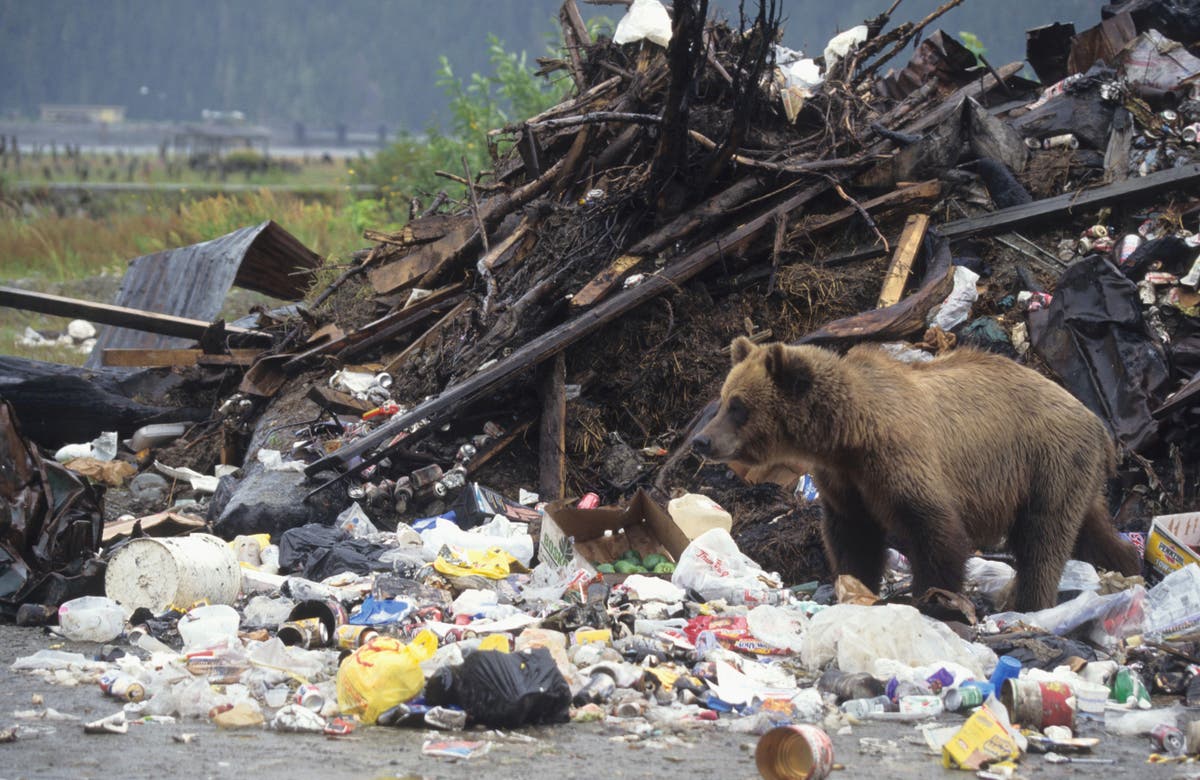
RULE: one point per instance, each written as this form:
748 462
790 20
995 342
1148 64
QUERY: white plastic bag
500 532
992 579
645 20
777 626
1079 575
714 567
957 307
857 637
354 521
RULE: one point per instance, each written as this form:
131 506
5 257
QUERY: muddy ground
60 749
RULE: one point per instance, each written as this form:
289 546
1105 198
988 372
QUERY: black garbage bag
505 690
1177 19
317 551
1095 339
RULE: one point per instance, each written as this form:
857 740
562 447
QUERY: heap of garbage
453 486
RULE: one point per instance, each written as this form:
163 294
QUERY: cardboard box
1170 543
604 534
983 739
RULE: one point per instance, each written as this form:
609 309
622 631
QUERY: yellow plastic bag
383 673
457 562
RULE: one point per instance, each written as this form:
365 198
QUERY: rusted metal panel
192 281
1101 43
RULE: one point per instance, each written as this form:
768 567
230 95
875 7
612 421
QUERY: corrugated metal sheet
192 281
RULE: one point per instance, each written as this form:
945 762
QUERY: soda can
1064 141
797 752
961 699
122 686
1038 704
588 501
308 633
310 697
348 637
1191 133
1167 739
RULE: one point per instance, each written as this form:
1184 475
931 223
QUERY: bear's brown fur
962 451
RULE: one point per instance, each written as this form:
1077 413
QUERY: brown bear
962 451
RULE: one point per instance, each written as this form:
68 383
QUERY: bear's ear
741 349
789 372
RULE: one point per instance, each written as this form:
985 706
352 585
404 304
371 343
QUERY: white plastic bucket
161 573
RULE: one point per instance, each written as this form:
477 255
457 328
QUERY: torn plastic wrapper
1094 338
52 521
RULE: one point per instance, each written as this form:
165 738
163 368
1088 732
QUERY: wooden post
552 472
902 260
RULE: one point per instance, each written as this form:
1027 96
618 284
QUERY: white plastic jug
208 625
695 513
91 619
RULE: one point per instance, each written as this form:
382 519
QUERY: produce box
605 534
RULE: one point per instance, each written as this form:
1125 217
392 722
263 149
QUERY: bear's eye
738 411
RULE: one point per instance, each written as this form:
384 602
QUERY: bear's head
770 412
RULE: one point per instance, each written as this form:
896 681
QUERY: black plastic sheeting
50 525
1179 19
1093 336
318 551
504 690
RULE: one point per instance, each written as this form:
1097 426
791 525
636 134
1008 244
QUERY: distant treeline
358 62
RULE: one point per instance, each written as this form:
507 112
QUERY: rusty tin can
796 752
329 611
1039 704
348 637
308 633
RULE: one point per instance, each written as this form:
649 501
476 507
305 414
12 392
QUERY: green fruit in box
653 559
666 567
625 567
605 568
631 555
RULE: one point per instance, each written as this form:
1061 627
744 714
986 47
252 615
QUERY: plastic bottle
91 619
695 513
208 625
859 708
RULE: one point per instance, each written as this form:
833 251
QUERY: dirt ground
60 749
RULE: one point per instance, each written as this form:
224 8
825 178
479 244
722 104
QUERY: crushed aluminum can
310 697
1191 133
122 686
797 752
1168 739
588 501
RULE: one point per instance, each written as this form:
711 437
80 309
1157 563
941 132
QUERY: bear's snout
702 444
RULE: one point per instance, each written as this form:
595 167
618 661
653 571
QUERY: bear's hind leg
1040 556
854 544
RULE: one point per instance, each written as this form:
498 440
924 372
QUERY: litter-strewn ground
577 751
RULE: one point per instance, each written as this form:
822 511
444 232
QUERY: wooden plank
604 282
552 442
553 341
109 314
902 260
423 340
408 269
377 331
171 358
1016 216
337 402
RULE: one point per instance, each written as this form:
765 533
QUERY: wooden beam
603 283
108 314
552 442
1084 200
423 340
902 260
176 357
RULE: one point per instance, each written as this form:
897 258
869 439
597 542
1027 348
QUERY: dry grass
84 256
